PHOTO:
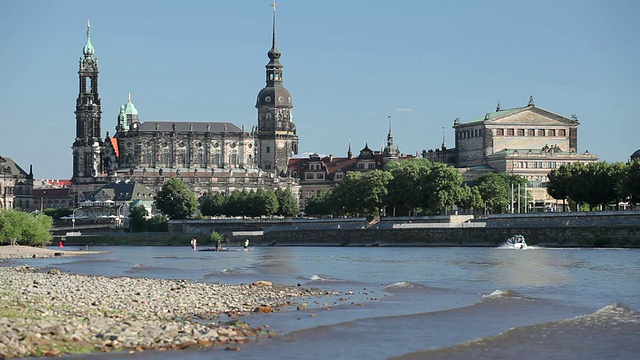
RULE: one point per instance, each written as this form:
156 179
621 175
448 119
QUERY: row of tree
417 186
176 201
596 184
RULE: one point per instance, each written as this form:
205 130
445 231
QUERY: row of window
513 132
538 164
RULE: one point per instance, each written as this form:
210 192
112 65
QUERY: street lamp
73 219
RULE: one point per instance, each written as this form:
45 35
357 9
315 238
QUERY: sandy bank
19 251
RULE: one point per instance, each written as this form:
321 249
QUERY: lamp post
73 219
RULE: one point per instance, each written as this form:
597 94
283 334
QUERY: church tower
87 148
88 145
277 137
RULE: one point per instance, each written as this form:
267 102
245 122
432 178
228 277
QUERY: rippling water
413 303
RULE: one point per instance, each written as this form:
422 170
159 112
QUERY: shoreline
48 313
25 252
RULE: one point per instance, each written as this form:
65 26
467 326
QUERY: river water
411 303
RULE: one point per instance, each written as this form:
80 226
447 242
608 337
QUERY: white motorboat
516 242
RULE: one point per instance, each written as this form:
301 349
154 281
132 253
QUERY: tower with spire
88 144
390 151
277 137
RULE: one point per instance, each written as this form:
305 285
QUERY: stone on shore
49 313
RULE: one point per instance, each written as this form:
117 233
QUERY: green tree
496 190
441 188
137 218
263 203
175 200
405 192
213 204
559 185
57 213
361 193
320 203
631 181
287 203
158 223
17 227
470 199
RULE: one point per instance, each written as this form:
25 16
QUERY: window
319 176
540 132
268 149
552 132
338 176
531 132
372 166
499 132
520 132
510 132
309 176
361 166
562 132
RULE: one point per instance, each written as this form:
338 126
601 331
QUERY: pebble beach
45 312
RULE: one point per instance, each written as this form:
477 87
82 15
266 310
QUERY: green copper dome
88 49
129 108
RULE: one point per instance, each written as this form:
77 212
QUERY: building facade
207 156
526 141
16 186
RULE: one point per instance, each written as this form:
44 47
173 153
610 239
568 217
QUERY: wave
610 332
502 294
322 278
144 268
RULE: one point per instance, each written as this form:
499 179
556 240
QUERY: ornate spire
444 146
88 49
499 106
389 135
349 153
274 53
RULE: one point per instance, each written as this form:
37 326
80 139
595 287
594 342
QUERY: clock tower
277 137
88 146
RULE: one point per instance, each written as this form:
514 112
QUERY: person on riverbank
194 244
218 245
246 244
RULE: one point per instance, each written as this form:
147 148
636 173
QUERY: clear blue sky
348 65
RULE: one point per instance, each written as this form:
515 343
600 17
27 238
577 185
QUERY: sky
349 65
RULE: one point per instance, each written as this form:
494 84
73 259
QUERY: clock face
280 144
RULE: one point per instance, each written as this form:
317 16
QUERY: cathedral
207 156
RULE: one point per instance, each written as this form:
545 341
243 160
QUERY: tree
361 193
263 203
559 185
57 213
287 203
441 188
320 203
405 193
632 181
496 188
175 200
137 218
17 227
470 198
213 204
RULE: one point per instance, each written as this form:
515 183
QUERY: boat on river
517 241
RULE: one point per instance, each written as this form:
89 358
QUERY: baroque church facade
207 156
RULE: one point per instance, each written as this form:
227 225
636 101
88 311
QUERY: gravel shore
48 313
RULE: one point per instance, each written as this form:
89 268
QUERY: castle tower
88 145
277 137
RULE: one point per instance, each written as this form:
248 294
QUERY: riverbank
48 313
24 252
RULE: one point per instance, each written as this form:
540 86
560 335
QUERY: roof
9 167
182 126
123 191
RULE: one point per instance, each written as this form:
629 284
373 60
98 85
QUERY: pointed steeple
274 68
389 135
349 153
88 49
444 145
